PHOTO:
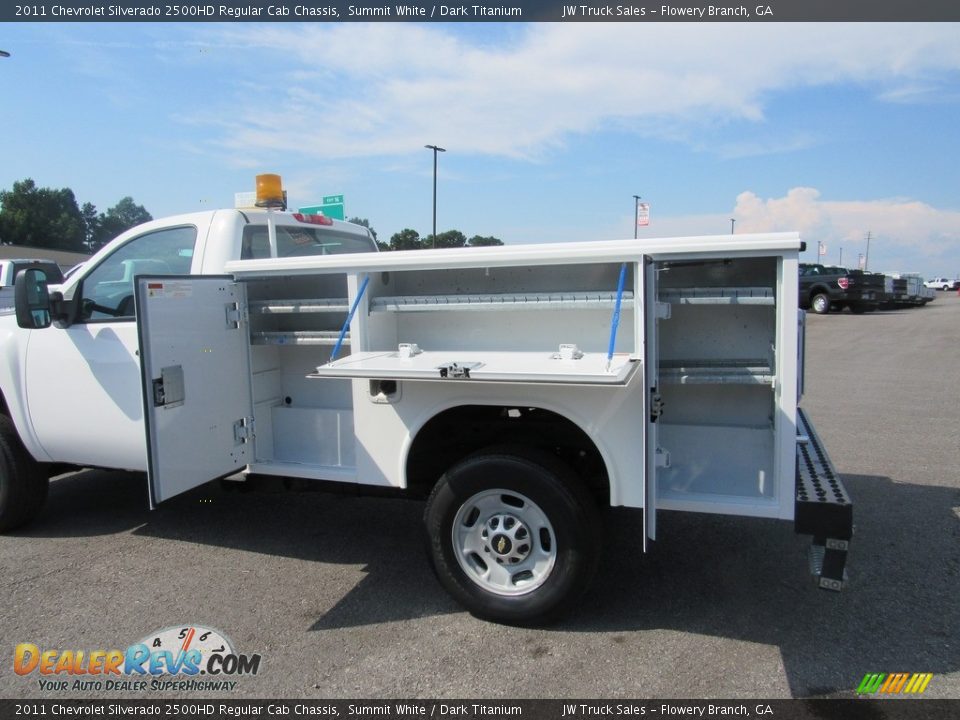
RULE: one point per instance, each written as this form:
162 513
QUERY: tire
23 485
513 536
820 303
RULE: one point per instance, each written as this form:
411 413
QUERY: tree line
408 239
51 218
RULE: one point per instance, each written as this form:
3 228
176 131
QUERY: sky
834 130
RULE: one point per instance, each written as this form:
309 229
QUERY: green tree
91 221
41 217
406 239
479 241
366 224
448 239
118 219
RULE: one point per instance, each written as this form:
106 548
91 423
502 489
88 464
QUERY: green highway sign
332 207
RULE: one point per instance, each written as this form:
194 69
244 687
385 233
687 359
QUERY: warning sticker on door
169 289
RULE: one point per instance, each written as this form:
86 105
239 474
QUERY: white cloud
905 234
382 89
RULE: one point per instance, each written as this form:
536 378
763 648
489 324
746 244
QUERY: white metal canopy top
516 255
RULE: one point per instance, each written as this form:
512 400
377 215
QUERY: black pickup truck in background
826 287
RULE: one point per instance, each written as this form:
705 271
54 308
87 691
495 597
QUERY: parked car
942 283
826 287
9 269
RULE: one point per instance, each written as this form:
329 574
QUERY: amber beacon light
270 191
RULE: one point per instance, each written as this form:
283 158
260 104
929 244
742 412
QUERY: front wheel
513 536
23 485
820 303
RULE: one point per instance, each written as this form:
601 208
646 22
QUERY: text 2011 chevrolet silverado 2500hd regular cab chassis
521 389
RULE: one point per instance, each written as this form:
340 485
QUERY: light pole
733 221
636 215
4 53
435 151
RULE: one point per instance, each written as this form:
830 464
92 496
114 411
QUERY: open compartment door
647 330
195 371
565 366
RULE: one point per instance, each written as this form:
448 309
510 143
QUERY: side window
107 292
255 243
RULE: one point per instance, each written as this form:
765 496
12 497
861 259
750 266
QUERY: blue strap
615 321
346 324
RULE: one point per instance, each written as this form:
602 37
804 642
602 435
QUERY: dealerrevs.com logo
181 657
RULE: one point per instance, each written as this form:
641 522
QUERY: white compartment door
476 366
195 370
647 329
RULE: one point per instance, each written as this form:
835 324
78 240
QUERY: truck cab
89 357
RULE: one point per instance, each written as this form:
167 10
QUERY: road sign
643 214
332 207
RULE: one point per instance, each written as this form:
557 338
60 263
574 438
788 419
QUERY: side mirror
32 299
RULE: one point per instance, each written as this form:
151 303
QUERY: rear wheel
23 484
513 536
820 303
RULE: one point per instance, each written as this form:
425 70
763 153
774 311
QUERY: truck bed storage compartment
717 365
303 428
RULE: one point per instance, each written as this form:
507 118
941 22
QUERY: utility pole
841 258
435 151
866 258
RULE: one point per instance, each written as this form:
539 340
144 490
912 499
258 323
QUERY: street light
636 215
733 221
4 53
435 151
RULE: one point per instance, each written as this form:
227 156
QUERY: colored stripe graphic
871 683
894 683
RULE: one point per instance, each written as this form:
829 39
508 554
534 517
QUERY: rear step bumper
823 508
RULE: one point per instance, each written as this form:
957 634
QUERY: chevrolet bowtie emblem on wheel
502 545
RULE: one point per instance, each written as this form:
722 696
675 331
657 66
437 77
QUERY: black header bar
483 11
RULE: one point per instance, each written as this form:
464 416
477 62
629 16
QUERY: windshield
302 241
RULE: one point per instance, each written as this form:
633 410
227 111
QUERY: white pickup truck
9 269
499 383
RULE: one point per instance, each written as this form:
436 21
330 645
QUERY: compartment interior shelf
289 307
716 372
718 296
298 337
500 301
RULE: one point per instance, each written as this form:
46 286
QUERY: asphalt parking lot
335 592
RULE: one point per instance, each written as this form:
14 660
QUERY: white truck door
195 370
647 330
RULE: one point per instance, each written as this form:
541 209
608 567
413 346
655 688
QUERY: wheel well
461 431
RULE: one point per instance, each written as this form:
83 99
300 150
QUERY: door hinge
243 431
656 405
235 315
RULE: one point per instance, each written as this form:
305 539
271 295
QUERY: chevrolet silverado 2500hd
520 389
